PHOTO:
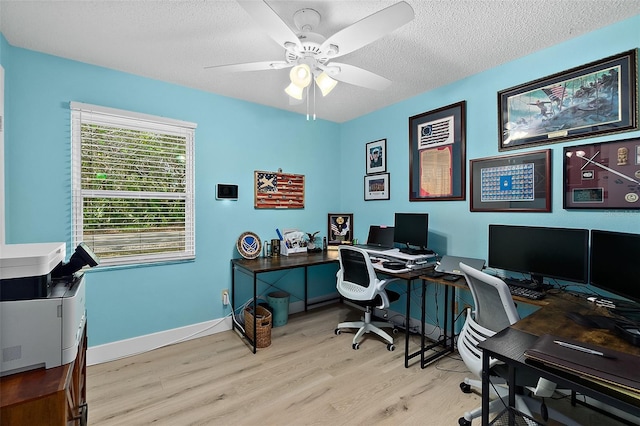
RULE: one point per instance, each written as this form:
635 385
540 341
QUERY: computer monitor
560 253
411 231
614 263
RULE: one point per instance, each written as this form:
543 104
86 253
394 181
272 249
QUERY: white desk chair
357 281
494 311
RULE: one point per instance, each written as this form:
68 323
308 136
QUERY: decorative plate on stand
249 245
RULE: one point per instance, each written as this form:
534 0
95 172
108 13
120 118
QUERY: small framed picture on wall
376 156
376 187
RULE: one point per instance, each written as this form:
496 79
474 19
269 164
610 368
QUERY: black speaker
227 192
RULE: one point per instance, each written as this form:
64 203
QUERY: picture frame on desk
512 183
339 229
376 187
376 156
586 101
437 147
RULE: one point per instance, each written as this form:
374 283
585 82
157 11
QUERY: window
132 185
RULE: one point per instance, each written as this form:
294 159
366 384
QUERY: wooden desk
254 267
259 265
447 341
509 345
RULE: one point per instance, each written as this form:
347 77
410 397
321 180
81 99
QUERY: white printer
42 305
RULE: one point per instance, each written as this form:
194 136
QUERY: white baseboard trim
137 345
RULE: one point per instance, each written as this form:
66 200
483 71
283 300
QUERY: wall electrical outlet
225 297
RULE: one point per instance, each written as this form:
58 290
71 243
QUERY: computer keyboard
524 288
527 293
521 283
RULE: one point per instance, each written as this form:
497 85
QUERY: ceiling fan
311 56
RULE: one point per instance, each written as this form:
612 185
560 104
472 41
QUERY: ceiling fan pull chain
307 103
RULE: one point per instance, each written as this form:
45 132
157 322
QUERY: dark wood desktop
510 344
254 267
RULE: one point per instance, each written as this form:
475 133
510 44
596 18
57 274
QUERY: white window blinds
132 183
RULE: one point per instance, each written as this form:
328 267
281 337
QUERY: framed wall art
376 187
277 190
512 183
591 100
376 156
602 175
340 228
437 154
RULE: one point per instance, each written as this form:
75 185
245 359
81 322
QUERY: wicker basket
263 325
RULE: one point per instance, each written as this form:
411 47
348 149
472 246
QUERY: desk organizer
293 242
286 251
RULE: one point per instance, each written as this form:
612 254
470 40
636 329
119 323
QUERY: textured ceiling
174 41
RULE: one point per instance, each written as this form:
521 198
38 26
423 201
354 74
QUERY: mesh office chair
357 282
494 311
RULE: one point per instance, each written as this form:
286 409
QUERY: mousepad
616 368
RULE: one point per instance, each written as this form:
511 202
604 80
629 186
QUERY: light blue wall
453 228
233 139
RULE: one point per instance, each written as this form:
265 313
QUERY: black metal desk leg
452 317
233 293
512 394
255 312
485 389
306 280
422 321
407 319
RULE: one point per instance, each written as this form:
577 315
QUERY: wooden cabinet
54 396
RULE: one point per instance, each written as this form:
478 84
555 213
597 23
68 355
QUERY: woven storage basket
263 325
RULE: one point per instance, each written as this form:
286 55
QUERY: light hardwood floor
307 376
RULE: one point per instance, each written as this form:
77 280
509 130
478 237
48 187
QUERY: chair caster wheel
337 331
355 346
390 347
465 388
464 422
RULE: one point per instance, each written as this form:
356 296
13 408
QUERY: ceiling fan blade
368 30
270 22
359 77
251 66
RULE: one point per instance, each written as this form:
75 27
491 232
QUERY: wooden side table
54 396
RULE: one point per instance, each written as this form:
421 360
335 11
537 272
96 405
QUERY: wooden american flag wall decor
277 190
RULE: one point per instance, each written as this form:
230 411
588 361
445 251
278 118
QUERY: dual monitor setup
604 259
410 232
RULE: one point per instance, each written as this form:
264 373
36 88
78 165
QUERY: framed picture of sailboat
591 100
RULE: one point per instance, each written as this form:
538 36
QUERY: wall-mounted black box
226 192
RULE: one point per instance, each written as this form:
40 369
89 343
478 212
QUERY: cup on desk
275 248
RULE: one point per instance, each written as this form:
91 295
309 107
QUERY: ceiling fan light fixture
294 91
325 83
300 75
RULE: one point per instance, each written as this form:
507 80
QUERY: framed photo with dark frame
376 156
591 100
437 154
512 183
340 228
376 187
602 175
